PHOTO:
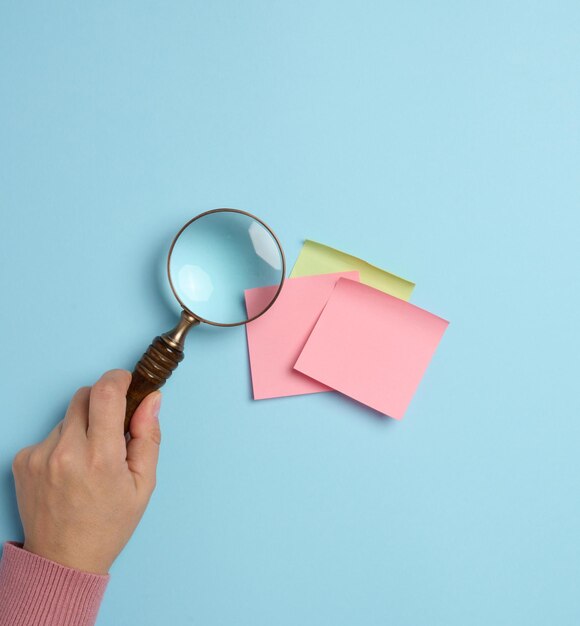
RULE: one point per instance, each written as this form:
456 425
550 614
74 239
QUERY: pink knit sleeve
35 591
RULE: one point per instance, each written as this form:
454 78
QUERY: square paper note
276 338
371 346
316 258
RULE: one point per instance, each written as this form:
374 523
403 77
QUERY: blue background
438 140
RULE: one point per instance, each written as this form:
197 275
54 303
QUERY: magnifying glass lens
216 257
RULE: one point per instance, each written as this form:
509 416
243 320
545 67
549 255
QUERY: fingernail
156 405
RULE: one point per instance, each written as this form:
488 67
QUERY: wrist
80 562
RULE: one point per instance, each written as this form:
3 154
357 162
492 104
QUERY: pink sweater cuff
35 591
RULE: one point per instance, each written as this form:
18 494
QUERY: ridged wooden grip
151 372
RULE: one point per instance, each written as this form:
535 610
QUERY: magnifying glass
212 260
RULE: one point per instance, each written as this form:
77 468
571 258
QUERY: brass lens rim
226 210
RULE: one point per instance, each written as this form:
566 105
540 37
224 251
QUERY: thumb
143 447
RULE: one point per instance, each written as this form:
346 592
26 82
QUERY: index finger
107 404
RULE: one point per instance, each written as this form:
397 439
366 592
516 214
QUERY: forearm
35 591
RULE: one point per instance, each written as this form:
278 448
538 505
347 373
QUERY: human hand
82 491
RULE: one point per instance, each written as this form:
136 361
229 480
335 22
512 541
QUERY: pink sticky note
276 338
371 346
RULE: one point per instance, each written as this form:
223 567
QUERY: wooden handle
150 373
157 364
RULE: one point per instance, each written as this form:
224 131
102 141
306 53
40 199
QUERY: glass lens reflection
216 258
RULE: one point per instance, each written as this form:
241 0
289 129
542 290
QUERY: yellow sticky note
316 258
